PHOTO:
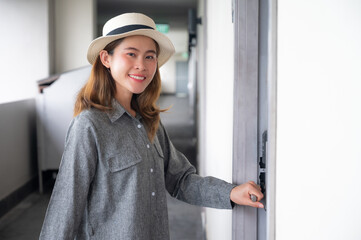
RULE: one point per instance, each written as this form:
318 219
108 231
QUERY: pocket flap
124 160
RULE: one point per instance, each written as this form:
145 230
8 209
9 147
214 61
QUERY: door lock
262 165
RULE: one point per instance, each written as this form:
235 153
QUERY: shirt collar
118 111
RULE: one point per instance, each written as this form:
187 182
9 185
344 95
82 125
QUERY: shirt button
139 126
151 170
153 194
148 146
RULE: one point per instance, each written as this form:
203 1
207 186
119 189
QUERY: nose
140 64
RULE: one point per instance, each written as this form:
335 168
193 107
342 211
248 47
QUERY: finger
253 183
255 204
255 189
258 187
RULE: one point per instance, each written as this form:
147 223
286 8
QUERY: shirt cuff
228 190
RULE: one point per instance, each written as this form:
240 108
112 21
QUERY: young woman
118 159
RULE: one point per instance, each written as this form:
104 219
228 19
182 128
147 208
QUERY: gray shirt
112 180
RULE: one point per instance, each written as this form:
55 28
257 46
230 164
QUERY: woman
118 159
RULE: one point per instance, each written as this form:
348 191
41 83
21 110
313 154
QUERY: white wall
201 85
27 43
75 28
318 120
217 137
24 47
24 59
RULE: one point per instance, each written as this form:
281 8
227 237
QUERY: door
254 104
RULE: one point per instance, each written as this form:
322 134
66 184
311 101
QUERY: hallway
185 222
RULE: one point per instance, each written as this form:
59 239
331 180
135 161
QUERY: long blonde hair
100 89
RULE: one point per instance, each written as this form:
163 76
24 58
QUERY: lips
137 77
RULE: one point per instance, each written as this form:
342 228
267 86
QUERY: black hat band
128 28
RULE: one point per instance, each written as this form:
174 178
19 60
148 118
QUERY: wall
17 145
75 28
24 59
201 85
27 52
217 106
30 47
318 120
24 47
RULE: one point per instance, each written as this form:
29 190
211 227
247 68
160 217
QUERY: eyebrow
135 49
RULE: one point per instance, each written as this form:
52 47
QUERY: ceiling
173 12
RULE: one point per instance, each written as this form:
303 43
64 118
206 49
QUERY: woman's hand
241 194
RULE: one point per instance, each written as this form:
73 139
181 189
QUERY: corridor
185 222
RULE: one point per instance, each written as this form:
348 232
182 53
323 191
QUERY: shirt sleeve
76 171
183 183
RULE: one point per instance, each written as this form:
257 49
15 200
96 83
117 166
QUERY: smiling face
132 64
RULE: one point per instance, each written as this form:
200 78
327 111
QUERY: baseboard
18 195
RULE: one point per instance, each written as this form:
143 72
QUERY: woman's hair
100 89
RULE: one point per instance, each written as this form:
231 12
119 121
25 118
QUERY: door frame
272 119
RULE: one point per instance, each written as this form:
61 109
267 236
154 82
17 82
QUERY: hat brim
166 48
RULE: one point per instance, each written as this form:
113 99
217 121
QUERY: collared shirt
112 180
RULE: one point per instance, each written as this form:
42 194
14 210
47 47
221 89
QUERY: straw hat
130 24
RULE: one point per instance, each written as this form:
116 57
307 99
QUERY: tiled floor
25 220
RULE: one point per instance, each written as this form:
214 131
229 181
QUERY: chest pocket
126 159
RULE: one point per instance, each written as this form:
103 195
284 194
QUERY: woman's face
132 64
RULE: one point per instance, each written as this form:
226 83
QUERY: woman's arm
69 197
183 183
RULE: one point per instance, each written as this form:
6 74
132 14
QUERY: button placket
151 170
